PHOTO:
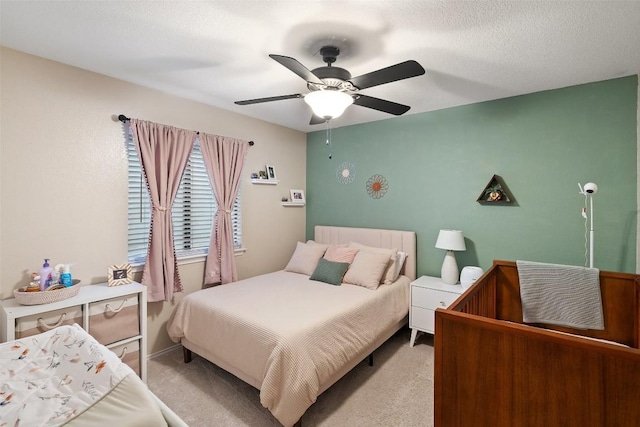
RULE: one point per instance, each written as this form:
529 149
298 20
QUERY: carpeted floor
396 391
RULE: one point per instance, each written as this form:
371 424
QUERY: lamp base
450 273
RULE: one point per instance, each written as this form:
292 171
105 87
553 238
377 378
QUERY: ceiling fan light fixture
328 104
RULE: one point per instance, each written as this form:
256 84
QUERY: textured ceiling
216 52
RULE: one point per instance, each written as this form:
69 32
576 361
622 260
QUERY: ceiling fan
332 89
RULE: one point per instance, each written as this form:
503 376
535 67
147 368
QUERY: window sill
190 259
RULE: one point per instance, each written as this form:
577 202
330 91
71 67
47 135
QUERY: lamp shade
328 104
451 240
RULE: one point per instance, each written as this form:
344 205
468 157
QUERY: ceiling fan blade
403 70
269 99
316 120
297 68
380 105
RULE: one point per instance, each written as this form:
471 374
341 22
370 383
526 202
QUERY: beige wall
63 176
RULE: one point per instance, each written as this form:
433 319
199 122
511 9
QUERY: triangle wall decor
495 193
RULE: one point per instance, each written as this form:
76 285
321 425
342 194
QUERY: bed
493 369
292 337
65 377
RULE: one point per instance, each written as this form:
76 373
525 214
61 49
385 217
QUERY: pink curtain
224 159
164 152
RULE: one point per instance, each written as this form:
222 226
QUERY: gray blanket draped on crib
562 295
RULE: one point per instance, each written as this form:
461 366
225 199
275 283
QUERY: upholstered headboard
404 241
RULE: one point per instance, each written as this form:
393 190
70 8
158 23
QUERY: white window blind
192 211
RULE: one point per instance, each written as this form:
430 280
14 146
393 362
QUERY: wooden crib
492 370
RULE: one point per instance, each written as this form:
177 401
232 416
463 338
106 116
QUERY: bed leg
186 353
371 359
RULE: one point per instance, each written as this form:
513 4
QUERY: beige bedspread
288 332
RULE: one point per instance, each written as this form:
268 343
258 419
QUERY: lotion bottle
65 277
46 275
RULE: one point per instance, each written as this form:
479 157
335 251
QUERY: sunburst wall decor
377 186
346 173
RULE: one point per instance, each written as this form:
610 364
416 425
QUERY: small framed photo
262 174
271 172
119 275
297 196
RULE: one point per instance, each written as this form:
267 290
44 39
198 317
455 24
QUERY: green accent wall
438 163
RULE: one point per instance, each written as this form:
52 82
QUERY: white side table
103 311
427 294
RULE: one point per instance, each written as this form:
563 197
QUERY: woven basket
45 297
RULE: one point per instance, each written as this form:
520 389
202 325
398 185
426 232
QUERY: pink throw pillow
340 254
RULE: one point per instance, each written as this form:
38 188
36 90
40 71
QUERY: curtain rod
124 119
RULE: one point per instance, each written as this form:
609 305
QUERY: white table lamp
450 240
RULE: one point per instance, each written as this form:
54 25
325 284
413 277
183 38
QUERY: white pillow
305 258
400 259
367 269
314 243
388 276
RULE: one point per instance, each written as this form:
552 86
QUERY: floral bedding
51 378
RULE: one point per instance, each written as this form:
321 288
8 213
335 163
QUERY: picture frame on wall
119 274
297 196
271 172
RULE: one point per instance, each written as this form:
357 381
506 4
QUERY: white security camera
590 188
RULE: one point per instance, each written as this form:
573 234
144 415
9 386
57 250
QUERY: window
192 210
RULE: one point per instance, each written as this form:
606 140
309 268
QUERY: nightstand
427 294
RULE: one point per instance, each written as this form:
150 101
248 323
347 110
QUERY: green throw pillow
329 271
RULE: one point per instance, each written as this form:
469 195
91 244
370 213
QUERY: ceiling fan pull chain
327 138
328 142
